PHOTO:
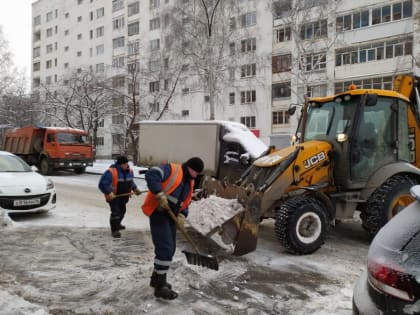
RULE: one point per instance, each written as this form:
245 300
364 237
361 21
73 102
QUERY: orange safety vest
168 186
114 185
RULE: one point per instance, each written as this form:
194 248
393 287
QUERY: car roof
5 153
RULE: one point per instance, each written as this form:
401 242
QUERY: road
65 262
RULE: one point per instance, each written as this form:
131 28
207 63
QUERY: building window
49 32
313 62
117 5
100 49
381 83
79 19
79 36
232 98
375 51
100 12
248 70
37 52
280 90
248 121
133 28
248 45
100 67
100 31
154 23
117 120
99 141
185 113
118 82
282 34
280 117
232 23
48 64
49 48
154 107
232 49
49 16
154 4
118 42
185 91
248 19
118 23
314 30
154 86
248 97
48 80
155 44
133 8
154 65
282 63
118 61
133 47
37 20
66 65
282 9
37 66
66 32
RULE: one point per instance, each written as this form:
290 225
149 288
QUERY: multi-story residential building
271 54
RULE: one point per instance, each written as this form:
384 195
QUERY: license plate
26 202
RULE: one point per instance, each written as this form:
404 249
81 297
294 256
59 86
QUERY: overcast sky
16 21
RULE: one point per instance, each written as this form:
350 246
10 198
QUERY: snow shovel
194 258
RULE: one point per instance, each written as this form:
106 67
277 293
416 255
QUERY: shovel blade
198 259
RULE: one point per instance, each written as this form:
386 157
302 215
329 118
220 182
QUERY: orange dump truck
51 148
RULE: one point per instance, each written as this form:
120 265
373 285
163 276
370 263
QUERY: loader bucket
242 229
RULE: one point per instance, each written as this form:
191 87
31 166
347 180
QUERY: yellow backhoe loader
356 150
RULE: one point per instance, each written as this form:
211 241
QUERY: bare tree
81 100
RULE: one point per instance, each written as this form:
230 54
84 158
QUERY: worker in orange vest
117 184
170 185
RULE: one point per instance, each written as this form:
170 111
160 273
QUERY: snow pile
207 215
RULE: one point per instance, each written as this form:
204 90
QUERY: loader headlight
341 137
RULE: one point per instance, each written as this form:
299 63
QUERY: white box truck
227 148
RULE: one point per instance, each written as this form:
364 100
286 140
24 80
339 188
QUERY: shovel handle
182 229
129 194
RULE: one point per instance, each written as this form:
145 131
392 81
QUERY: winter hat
196 164
122 160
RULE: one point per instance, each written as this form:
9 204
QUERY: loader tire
386 201
301 225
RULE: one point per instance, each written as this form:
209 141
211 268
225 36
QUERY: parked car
22 189
391 283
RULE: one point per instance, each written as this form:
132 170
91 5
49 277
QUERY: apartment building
270 55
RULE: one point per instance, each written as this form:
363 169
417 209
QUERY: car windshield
329 119
10 163
72 138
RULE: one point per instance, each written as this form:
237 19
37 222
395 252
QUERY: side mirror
371 99
291 111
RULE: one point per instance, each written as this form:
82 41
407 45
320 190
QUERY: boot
120 226
154 280
163 291
115 222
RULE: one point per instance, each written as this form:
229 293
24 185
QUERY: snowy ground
65 262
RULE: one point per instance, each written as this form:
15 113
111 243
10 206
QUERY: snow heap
208 214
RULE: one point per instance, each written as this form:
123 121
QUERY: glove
110 197
181 219
163 200
137 192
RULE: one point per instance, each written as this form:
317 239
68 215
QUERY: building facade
263 55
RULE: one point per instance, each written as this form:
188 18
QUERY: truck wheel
386 201
80 170
301 225
44 167
38 145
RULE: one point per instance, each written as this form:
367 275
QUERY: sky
16 22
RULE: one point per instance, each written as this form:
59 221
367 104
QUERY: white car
22 189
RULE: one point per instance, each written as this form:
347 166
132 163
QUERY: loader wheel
44 167
301 225
386 201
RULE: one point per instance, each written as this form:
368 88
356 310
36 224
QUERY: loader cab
367 129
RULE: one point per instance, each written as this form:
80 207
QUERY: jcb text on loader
357 150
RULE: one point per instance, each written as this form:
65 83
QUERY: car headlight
50 184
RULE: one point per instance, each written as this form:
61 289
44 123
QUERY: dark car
391 283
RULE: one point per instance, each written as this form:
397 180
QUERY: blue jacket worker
117 184
170 186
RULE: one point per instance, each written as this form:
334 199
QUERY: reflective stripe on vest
168 186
